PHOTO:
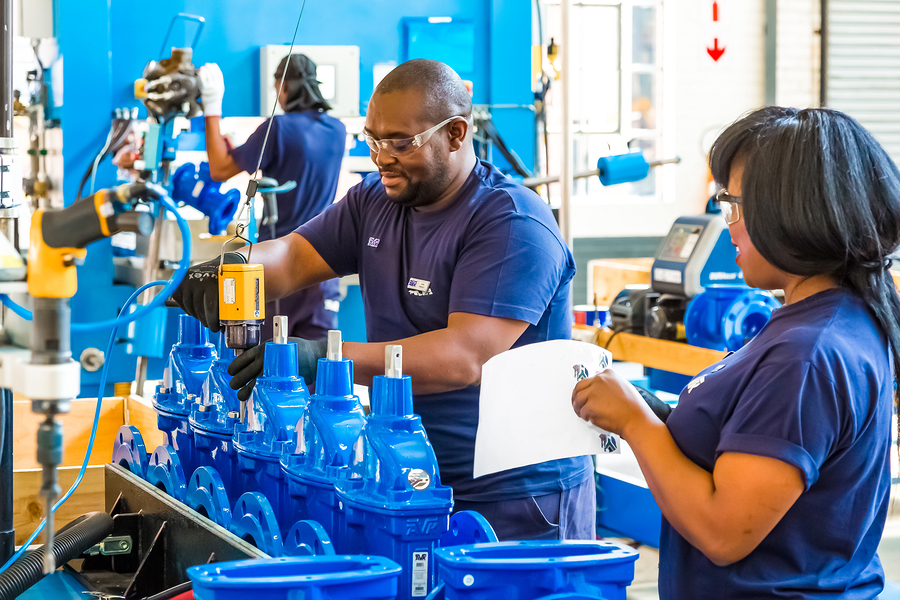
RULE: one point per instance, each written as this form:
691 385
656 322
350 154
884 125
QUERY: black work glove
659 408
247 366
198 294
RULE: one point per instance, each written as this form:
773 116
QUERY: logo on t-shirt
373 242
419 287
695 382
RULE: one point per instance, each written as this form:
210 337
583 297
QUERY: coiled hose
70 543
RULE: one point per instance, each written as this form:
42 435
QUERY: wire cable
87 455
254 183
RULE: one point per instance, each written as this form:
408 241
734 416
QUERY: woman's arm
724 514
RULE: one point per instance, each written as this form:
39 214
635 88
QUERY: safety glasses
400 147
731 206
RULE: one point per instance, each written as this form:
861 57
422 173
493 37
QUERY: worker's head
419 120
819 196
301 89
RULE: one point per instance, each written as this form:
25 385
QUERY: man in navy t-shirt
457 263
305 145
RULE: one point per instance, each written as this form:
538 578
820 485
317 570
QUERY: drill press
52 378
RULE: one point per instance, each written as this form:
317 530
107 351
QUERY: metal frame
168 537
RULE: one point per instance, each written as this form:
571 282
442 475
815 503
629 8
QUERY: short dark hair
820 197
445 93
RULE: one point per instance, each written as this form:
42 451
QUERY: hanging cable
253 184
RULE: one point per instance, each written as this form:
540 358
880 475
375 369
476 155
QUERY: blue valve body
185 375
321 455
279 401
393 502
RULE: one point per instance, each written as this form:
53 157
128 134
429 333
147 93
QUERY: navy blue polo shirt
494 251
306 147
814 389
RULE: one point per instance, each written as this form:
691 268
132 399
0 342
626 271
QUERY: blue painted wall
235 30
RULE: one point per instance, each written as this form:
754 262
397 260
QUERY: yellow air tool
242 304
52 378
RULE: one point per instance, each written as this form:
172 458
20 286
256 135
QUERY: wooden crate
115 412
608 277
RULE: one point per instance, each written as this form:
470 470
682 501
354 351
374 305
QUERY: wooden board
609 277
77 429
650 352
28 505
140 413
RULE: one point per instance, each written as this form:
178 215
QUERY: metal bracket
113 545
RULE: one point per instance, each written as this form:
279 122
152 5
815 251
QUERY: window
616 86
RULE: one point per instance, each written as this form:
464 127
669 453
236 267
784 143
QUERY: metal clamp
111 546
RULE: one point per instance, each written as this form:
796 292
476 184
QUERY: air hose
70 543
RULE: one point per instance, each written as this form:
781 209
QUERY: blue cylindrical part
334 378
392 396
280 360
191 332
534 570
623 168
326 577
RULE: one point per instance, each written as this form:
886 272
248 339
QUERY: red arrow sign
715 11
715 52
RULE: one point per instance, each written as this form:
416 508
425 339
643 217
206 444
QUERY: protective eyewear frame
400 146
731 206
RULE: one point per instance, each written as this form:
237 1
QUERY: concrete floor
646 568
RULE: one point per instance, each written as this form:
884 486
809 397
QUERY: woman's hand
608 401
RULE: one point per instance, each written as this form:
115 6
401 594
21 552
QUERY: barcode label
229 290
419 574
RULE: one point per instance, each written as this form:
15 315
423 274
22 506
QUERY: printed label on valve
228 290
419 574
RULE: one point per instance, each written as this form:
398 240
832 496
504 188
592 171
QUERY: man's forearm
433 360
444 359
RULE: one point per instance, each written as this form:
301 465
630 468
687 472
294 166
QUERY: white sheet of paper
526 415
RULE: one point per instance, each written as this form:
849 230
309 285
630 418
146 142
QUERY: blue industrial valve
325 438
393 503
213 421
195 187
279 400
183 379
727 317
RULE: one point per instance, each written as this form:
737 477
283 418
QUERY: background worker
305 145
457 263
773 471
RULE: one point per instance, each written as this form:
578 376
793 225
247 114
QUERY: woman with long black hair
773 472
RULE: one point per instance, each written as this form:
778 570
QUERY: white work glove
212 89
